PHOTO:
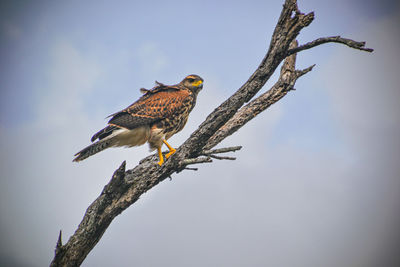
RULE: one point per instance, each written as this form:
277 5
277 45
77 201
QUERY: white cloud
71 76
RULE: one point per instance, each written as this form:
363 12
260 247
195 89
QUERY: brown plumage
160 113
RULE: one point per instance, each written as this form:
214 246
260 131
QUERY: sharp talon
160 162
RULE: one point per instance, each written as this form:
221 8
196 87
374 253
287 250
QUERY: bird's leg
171 149
160 156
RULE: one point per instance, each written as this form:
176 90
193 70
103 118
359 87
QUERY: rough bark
126 186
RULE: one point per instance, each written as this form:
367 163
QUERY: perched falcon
160 113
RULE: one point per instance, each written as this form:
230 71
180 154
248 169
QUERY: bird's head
193 82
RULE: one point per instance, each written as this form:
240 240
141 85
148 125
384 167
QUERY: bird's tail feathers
119 137
93 149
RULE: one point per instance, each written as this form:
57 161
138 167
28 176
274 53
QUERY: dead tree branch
332 39
126 186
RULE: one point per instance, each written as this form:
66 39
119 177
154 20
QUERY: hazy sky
317 182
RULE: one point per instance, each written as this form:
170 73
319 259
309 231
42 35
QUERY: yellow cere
197 83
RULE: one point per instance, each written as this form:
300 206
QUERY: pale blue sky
316 183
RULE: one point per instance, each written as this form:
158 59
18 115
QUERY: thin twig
191 169
196 160
222 158
300 73
221 150
332 39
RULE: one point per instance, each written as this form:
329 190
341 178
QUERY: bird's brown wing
146 94
151 108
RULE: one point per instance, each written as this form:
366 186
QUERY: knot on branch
117 183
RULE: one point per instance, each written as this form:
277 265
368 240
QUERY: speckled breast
178 118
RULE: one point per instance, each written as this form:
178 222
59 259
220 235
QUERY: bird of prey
158 114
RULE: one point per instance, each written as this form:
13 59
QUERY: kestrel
160 113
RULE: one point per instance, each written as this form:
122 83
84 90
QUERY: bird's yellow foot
171 151
160 156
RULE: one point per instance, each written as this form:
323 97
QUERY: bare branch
285 83
287 29
332 39
197 161
221 150
211 154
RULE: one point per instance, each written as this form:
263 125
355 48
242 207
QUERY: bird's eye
191 80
